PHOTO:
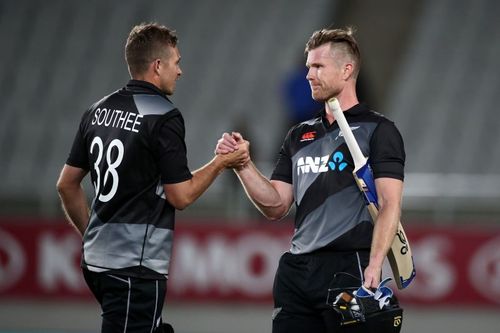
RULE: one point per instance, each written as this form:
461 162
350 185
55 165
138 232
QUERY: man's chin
318 98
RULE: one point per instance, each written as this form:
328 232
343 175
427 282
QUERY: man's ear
156 66
348 70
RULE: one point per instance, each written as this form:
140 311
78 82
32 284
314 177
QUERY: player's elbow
179 202
275 214
69 180
63 187
59 186
393 205
180 195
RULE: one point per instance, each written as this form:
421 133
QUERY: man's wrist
218 163
377 260
243 168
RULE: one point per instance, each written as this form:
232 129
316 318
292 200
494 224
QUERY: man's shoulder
143 103
305 132
148 98
148 104
363 112
307 124
366 115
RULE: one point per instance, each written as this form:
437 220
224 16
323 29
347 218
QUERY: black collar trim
144 86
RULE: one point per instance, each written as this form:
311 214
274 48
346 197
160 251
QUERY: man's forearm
389 192
261 192
384 231
203 178
75 206
180 195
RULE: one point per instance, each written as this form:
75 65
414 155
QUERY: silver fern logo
353 128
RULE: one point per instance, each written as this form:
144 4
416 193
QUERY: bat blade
401 259
399 255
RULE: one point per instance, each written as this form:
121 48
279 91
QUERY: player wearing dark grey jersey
333 228
131 226
132 143
331 213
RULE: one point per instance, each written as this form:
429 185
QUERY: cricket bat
400 256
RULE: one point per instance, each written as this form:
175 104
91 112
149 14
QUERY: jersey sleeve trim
177 179
282 178
388 170
77 164
387 156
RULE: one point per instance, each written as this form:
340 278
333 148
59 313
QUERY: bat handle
357 155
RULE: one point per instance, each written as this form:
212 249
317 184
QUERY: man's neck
345 104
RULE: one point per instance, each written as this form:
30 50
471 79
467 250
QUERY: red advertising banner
455 266
40 260
219 262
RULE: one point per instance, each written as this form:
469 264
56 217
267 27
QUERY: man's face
170 70
324 75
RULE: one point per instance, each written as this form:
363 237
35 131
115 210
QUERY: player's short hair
145 43
339 39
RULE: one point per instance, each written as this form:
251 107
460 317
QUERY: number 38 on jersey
111 163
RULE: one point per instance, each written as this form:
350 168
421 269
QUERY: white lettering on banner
13 263
436 277
484 270
249 248
197 265
225 266
57 262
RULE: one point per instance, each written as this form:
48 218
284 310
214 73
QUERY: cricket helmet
355 309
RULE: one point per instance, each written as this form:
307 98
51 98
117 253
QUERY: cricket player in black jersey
132 142
333 229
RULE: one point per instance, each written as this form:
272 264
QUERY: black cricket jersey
330 210
132 142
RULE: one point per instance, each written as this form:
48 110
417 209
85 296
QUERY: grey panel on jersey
125 240
152 104
317 229
339 212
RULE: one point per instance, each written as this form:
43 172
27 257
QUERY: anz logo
321 164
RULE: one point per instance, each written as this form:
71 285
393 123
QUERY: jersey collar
353 111
144 87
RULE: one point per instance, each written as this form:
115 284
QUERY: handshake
233 151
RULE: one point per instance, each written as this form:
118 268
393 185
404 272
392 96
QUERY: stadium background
431 66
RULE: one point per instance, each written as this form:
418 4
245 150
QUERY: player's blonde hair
339 39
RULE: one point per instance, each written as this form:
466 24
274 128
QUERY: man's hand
233 150
228 143
237 158
372 276
180 195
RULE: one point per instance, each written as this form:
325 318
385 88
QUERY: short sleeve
283 169
172 151
78 156
387 153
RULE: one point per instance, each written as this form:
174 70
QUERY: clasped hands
233 150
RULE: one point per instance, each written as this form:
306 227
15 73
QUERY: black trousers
129 304
301 289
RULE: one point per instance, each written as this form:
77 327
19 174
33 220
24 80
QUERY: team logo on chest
319 164
308 136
